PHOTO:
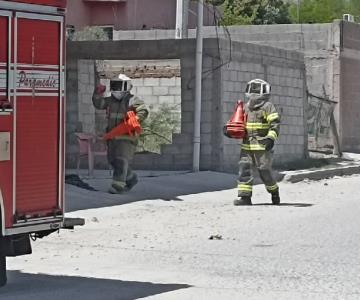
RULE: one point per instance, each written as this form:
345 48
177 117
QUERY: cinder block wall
285 72
86 85
286 36
318 42
223 84
350 88
157 91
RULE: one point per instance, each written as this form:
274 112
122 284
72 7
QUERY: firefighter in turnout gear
262 130
121 148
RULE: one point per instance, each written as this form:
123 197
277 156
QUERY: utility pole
182 16
198 86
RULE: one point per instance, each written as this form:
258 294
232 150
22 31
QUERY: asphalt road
155 244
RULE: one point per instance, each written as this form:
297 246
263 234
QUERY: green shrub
159 127
90 33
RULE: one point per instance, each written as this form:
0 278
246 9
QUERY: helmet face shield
119 86
257 87
254 88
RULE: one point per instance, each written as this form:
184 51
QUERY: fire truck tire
3 278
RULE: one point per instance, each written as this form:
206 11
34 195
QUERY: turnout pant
250 161
120 154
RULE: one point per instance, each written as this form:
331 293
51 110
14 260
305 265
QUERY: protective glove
225 132
268 143
100 89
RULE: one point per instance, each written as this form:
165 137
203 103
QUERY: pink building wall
128 15
77 14
160 14
108 14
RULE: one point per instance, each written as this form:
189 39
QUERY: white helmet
120 86
257 87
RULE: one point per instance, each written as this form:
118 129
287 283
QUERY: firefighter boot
117 187
275 198
244 200
131 182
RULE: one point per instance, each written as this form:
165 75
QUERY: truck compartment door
6 121
38 70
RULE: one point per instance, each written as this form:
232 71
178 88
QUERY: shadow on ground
286 204
24 286
167 188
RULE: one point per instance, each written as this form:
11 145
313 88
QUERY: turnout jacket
117 109
261 123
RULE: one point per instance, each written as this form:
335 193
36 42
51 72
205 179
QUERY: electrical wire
217 24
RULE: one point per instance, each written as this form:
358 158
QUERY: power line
217 24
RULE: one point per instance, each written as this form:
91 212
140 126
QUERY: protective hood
255 101
118 95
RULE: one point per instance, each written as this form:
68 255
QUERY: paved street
154 243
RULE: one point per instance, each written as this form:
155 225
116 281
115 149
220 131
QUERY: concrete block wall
154 91
349 113
158 91
221 88
286 36
223 84
178 155
285 71
86 87
318 42
72 112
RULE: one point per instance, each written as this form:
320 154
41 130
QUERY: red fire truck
32 116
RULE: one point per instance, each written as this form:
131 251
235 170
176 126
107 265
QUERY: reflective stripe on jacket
262 123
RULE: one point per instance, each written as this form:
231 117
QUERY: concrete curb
297 176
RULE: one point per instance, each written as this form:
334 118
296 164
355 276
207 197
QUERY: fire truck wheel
3 277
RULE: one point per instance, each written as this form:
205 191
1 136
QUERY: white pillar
182 14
